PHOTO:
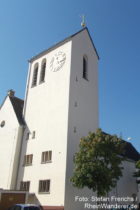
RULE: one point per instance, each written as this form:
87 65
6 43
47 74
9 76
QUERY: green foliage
98 162
137 173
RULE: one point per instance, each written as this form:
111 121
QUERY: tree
137 173
98 162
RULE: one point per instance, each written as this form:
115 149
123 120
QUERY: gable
63 42
11 111
7 114
130 152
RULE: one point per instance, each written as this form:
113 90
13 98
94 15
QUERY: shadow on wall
32 199
21 168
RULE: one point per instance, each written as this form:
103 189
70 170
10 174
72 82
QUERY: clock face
57 61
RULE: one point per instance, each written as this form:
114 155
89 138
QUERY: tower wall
46 113
83 118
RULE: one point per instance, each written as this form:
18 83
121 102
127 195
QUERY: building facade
11 132
58 110
61 106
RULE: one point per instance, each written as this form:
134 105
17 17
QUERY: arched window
85 67
43 70
35 73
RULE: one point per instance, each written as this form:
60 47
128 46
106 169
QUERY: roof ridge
16 98
17 104
63 41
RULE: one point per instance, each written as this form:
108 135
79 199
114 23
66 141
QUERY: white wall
16 157
127 184
10 137
50 111
47 114
85 116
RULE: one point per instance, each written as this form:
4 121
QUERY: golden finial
83 21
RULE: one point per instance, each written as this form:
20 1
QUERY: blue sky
31 26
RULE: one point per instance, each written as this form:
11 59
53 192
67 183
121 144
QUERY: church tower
61 106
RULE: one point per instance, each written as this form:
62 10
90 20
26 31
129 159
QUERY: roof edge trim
63 42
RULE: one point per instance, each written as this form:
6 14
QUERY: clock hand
62 60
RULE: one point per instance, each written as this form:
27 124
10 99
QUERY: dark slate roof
129 151
62 42
17 104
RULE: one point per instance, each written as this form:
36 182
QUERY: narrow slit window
43 71
35 74
85 68
33 135
27 136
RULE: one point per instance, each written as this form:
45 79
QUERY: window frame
28 160
35 75
46 189
43 71
25 186
46 157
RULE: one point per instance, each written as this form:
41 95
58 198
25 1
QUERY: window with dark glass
85 68
25 186
46 156
44 186
27 136
43 70
2 124
33 135
28 159
35 73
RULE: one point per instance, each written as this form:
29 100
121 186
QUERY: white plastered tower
59 109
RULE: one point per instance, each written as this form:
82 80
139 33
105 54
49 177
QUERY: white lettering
81 199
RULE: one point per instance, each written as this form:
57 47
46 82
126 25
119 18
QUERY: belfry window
43 69
85 68
35 73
